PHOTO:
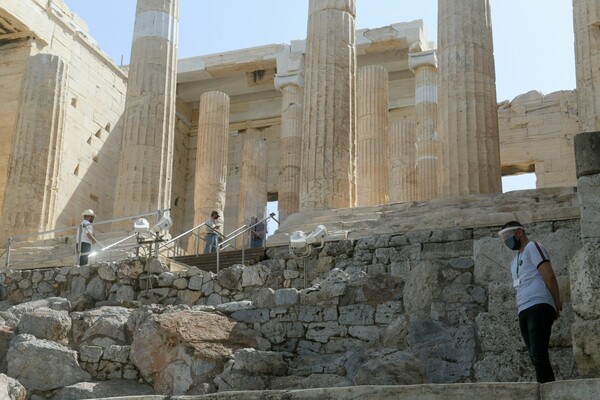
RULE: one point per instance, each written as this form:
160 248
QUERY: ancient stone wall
536 135
435 302
94 100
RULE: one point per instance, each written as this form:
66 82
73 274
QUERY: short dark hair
512 224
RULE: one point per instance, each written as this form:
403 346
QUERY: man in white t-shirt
537 294
212 231
85 236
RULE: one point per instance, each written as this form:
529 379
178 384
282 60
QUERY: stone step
208 262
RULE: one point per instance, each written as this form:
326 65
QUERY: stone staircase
208 262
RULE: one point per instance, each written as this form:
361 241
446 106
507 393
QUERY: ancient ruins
394 144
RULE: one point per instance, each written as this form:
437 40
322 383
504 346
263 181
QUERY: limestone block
366 333
506 366
422 288
399 368
11 389
45 323
585 282
386 312
322 331
497 332
492 261
587 151
201 340
286 297
447 352
358 314
43 374
580 389
448 250
255 275
588 191
586 347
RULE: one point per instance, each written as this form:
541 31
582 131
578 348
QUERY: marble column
371 136
146 164
211 155
467 107
328 139
253 184
424 66
401 147
290 81
586 23
31 193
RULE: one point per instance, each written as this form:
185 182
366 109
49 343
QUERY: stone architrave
211 155
467 107
327 171
146 165
253 183
401 145
424 66
586 21
371 136
36 156
290 81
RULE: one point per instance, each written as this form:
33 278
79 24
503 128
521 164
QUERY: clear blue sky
533 39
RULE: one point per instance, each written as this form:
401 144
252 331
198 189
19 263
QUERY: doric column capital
290 70
421 59
283 81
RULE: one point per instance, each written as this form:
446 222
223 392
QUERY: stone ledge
535 205
584 389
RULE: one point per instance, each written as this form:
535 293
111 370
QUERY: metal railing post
8 250
218 253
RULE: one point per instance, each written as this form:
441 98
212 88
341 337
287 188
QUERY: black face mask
513 243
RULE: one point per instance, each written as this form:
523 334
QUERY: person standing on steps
85 236
258 232
537 295
212 232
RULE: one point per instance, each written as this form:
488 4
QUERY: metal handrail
12 239
182 235
242 231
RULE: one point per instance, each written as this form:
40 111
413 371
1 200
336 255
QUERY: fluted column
467 107
586 22
424 66
290 81
401 147
371 136
327 171
211 155
35 159
146 164
253 183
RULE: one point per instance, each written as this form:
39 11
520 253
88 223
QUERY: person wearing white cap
538 297
85 236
